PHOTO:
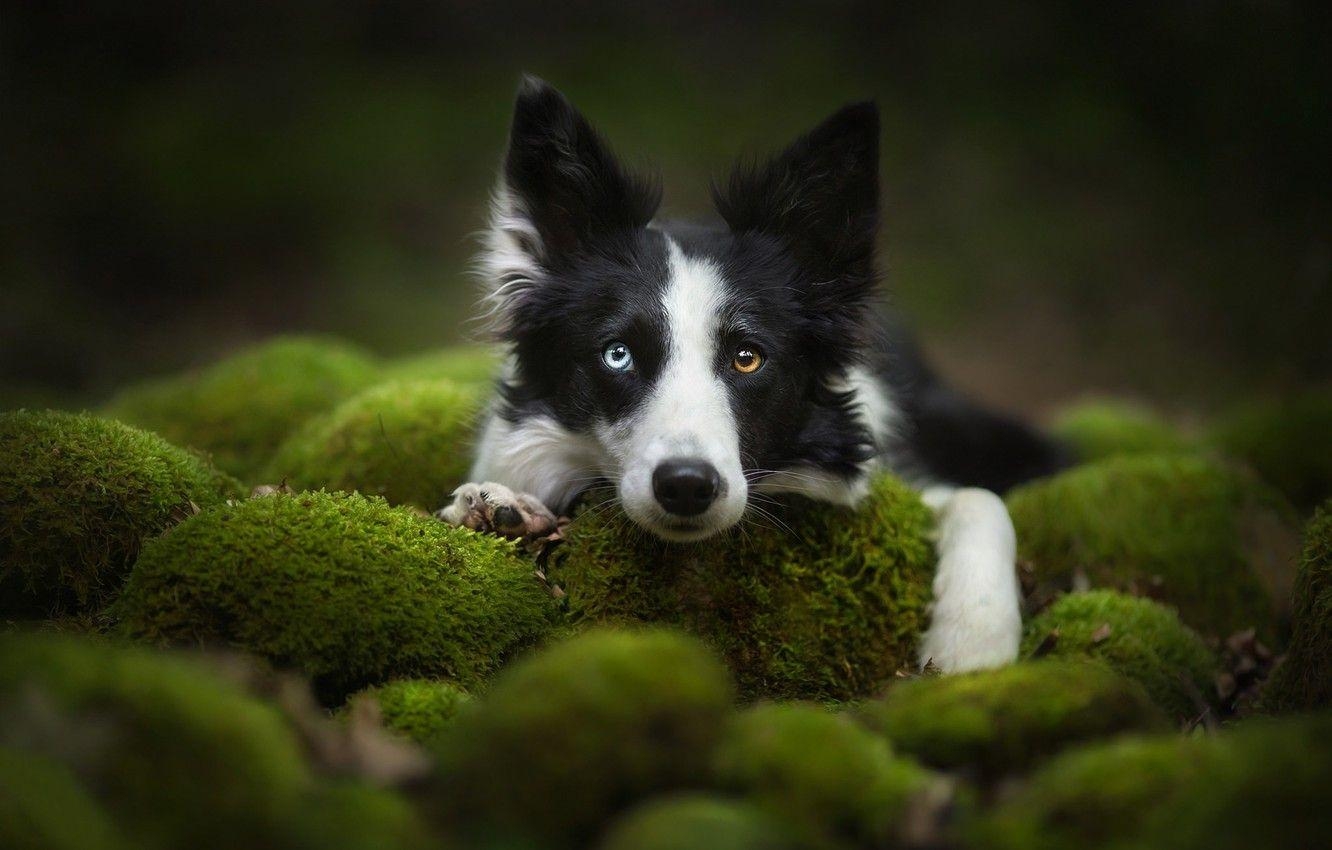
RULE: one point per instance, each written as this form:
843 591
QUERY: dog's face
702 364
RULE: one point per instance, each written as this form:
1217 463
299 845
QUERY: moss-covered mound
101 742
42 807
826 779
691 822
461 364
409 442
566 738
1139 638
1303 681
1100 428
242 408
1259 785
999 721
820 602
176 756
1202 536
78 496
344 587
420 709
1286 442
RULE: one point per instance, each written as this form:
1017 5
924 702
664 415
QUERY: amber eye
747 361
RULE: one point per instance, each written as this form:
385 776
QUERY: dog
694 366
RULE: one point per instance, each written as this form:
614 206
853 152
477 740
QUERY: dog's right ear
561 188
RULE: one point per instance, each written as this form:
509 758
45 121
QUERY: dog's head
703 364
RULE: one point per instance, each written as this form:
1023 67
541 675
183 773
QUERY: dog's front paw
495 509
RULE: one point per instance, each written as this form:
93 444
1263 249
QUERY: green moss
1259 785
999 721
820 602
461 364
242 408
409 442
1303 680
827 779
78 496
1200 535
690 822
568 737
1100 428
1139 638
42 807
178 758
344 587
1286 442
346 815
420 709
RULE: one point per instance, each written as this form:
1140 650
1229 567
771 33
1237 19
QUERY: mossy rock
341 586
1303 680
419 709
821 603
347 815
1100 428
176 757
473 365
568 737
1001 721
1256 785
1286 442
693 821
408 441
1139 638
241 409
78 497
829 781
43 807
1201 535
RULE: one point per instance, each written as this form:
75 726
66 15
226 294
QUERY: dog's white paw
976 619
495 509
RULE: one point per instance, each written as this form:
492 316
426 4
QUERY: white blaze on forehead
690 404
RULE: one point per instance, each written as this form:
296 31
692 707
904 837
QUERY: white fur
688 414
976 619
509 263
537 456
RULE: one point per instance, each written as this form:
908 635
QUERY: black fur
797 256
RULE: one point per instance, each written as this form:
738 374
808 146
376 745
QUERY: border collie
694 366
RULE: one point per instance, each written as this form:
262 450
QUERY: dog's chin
675 529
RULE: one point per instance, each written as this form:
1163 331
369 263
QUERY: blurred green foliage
1077 197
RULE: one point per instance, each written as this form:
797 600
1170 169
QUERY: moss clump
1303 681
42 807
821 603
409 442
1202 536
689 822
176 757
1286 442
828 780
420 709
461 364
1100 428
1139 638
566 738
1259 785
242 408
78 496
1005 720
344 587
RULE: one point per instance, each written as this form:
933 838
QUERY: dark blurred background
1079 197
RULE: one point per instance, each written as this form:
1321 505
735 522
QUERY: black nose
685 487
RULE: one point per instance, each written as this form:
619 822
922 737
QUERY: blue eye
617 357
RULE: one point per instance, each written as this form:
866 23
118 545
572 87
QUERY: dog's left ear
820 196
